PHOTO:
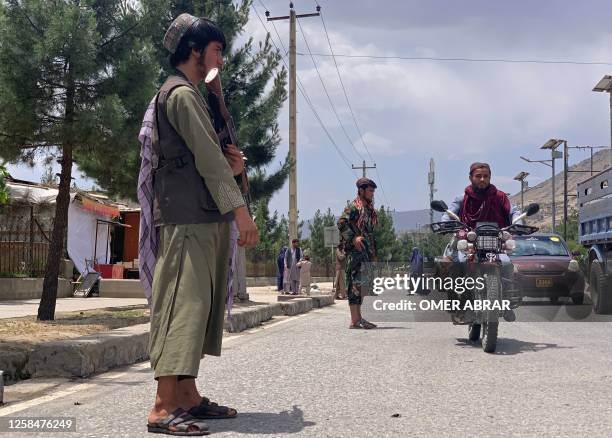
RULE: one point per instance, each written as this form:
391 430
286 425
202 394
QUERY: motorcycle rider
482 202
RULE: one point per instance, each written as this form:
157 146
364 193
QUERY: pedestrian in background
292 257
339 283
305 279
280 264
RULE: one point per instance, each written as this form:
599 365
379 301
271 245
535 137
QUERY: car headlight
471 236
573 266
510 245
506 236
462 245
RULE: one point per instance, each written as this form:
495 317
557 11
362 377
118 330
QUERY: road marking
20 406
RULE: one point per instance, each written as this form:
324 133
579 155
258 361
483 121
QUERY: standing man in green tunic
356 227
195 199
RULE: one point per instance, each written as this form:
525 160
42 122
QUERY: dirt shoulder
22 334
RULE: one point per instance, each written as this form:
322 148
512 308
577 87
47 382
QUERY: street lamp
551 144
521 178
605 86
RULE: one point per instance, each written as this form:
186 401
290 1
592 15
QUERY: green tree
71 77
432 245
3 190
253 86
388 247
319 253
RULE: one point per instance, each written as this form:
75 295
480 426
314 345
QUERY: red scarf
491 206
361 205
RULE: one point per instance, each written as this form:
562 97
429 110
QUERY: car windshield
539 246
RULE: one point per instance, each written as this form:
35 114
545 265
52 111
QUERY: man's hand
358 243
235 159
247 230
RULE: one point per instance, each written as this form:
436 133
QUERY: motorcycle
482 248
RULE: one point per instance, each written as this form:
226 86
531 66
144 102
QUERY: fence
24 244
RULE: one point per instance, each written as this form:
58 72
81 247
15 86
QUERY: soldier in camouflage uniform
356 227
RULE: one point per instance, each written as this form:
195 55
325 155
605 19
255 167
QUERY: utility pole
292 115
363 167
551 145
431 179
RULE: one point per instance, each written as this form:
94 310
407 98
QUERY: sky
455 112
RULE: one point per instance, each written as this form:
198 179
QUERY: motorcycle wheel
474 332
491 322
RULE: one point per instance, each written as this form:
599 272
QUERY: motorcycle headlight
462 245
510 245
471 236
573 266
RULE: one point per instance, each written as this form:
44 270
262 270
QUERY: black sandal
208 410
179 423
367 324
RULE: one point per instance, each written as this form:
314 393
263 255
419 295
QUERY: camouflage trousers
359 277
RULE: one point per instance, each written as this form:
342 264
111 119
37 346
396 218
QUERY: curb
96 353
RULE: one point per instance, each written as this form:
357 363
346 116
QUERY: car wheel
602 298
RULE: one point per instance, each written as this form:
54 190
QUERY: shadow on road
391 327
262 423
507 347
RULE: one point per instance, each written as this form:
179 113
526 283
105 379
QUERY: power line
331 50
348 103
305 95
331 103
491 60
280 40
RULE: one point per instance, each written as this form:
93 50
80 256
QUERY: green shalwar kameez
190 279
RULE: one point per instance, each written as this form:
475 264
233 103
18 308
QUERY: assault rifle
224 125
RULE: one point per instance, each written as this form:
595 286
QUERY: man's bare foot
159 412
188 401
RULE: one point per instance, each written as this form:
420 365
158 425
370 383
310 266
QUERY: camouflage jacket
347 224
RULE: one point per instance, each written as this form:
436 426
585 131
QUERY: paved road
310 376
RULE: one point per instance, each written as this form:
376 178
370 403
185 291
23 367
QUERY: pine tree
319 253
387 246
3 189
254 90
72 75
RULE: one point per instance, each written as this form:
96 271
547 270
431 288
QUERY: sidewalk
20 308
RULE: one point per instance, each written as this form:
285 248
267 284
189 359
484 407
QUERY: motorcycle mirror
532 209
212 74
439 206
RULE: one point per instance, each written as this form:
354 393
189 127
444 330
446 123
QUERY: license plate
544 282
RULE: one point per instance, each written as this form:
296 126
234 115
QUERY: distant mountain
412 220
